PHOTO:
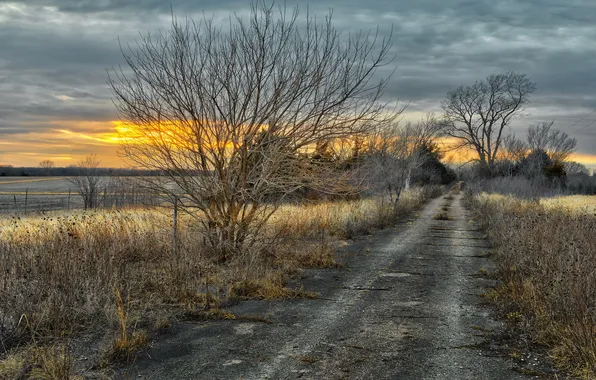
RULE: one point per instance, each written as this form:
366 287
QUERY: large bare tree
478 114
224 111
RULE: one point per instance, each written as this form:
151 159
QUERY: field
34 184
20 194
546 255
37 194
582 203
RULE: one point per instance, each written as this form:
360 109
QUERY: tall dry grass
60 273
547 266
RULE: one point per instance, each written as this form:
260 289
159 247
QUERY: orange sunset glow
67 144
70 142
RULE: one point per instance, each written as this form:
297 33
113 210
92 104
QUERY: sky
55 104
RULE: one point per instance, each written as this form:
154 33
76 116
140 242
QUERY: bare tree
514 149
88 182
225 113
477 115
46 165
575 168
394 151
558 145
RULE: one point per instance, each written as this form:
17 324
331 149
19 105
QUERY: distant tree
47 166
557 144
575 168
514 149
87 181
477 114
539 164
394 152
431 169
535 164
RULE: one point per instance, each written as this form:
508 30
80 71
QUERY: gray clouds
55 52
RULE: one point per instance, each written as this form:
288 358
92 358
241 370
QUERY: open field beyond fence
20 195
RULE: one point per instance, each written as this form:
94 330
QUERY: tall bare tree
88 182
224 112
477 115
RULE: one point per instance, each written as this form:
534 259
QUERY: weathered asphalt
406 306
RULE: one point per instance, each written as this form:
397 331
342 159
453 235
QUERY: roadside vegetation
115 272
537 209
546 255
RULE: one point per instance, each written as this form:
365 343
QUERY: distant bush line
11 171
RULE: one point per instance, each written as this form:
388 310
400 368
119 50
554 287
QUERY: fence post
16 207
175 225
26 196
69 198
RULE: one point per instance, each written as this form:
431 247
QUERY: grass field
34 184
27 194
574 203
546 255
38 194
582 203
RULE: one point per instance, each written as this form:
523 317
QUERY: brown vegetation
117 272
546 258
48 363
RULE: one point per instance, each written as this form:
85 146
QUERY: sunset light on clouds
55 103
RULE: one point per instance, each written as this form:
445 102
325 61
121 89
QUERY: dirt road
407 305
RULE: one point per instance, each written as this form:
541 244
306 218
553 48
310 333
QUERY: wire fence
23 202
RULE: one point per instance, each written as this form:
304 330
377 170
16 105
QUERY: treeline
70 171
541 159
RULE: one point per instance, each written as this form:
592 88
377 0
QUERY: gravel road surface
406 305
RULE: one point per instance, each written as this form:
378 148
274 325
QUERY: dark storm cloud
55 52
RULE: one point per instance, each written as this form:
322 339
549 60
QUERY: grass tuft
124 346
48 363
442 215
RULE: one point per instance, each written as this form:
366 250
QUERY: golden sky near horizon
70 142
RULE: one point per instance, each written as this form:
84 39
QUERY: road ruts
406 306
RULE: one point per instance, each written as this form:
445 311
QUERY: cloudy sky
54 102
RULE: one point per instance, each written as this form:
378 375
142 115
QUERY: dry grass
346 219
581 203
112 270
442 215
546 258
126 344
47 363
